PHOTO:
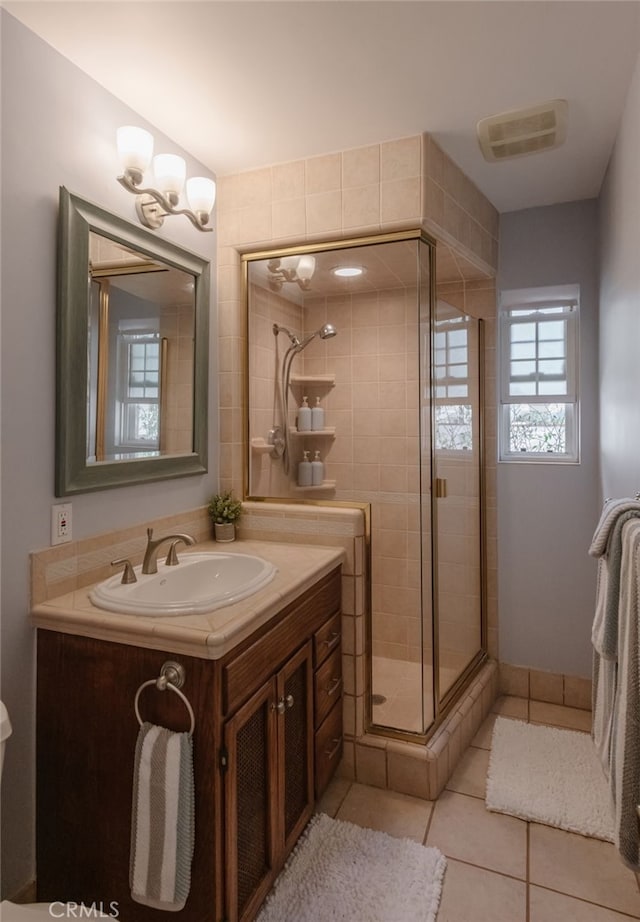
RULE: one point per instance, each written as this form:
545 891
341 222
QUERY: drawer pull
334 686
289 701
331 752
332 640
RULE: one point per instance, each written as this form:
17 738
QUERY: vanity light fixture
135 149
348 272
297 269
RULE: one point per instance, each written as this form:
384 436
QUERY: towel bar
171 677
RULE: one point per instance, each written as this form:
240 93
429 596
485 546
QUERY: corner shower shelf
325 485
313 380
329 432
261 446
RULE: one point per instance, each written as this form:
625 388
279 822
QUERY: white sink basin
201 582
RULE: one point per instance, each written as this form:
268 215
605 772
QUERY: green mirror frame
73 474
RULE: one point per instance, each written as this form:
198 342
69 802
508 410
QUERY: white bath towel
611 509
604 631
624 776
162 827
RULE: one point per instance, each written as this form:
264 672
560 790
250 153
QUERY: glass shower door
457 493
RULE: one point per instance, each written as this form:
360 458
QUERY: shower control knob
276 440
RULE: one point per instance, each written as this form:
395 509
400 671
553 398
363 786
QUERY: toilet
33 912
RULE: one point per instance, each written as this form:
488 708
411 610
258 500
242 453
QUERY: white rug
339 871
549 776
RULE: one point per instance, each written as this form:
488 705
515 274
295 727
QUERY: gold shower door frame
430 634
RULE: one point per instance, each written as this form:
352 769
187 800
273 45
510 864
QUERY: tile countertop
210 635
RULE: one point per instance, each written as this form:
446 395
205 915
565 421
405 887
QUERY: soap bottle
317 470
304 416
317 416
304 471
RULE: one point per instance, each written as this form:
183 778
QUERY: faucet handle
128 575
172 557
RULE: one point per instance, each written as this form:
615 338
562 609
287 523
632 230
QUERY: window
453 413
138 419
539 386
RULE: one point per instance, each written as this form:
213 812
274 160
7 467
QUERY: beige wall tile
577 692
400 200
323 174
545 686
324 212
371 763
361 166
514 680
400 159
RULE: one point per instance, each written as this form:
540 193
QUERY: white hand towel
162 828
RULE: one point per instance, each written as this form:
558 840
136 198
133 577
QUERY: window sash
536 313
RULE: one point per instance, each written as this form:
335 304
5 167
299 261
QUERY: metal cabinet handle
332 640
331 752
333 686
283 704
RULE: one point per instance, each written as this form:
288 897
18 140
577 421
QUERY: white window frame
524 311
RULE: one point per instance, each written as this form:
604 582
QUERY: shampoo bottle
304 471
317 470
304 416
317 416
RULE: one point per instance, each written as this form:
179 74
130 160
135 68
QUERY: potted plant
224 510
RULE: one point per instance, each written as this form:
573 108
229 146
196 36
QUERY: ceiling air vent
523 131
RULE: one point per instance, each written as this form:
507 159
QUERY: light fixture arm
148 201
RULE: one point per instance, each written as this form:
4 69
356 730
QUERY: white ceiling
246 84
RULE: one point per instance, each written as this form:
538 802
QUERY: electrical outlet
61 523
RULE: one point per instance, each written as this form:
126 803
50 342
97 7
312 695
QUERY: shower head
325 332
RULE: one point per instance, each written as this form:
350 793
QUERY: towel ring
171 677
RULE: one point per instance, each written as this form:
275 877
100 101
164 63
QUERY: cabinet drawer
327 639
328 746
246 671
328 685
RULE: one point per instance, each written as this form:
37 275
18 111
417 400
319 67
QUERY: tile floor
499 868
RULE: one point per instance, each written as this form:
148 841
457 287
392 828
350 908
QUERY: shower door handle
441 487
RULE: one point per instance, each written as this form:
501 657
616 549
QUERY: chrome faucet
150 563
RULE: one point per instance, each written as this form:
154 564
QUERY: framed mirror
132 353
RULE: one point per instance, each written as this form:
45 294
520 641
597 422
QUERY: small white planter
225 531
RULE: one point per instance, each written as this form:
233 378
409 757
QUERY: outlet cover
61 523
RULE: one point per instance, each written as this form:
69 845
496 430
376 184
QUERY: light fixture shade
306 267
201 193
135 148
169 172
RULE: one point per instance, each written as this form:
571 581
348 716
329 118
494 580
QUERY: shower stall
358 329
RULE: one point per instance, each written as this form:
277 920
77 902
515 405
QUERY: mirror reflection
140 355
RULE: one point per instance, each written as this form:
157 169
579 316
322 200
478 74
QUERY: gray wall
620 307
58 128
547 512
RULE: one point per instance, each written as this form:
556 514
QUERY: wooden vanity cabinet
265 719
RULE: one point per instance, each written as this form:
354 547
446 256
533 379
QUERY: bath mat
549 776
340 871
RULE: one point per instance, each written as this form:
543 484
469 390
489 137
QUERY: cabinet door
252 828
295 730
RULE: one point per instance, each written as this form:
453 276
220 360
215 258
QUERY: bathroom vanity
267 704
